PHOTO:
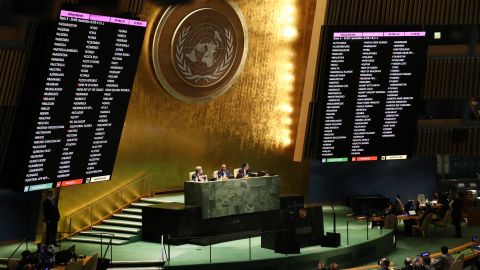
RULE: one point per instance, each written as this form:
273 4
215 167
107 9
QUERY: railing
25 240
168 246
112 203
108 237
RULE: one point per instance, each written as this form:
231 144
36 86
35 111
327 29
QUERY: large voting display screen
84 96
368 94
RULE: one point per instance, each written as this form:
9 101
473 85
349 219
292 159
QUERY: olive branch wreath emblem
185 69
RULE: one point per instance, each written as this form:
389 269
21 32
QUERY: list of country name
84 83
367 90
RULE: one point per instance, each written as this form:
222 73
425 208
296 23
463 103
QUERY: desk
470 255
82 261
233 197
408 217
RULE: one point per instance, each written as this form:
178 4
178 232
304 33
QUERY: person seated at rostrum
244 171
224 172
199 176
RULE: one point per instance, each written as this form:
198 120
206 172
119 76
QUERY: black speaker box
287 246
331 240
289 200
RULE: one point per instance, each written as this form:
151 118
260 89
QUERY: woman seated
199 176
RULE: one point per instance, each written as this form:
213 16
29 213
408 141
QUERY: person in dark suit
457 205
244 171
199 176
397 207
51 216
224 172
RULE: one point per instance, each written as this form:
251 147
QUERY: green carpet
238 251
223 252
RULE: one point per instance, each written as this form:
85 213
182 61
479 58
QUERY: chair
215 174
458 263
422 200
427 220
74 265
235 172
91 264
444 222
391 222
190 176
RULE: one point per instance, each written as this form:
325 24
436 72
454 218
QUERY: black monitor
368 85
74 112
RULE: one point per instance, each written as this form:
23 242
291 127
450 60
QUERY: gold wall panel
254 121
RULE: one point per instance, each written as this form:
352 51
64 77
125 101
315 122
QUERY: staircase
125 227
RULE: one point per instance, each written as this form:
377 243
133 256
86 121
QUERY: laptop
412 212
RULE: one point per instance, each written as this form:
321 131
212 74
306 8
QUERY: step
97 240
132 211
155 200
128 216
136 268
120 222
116 235
156 264
3 266
140 204
113 228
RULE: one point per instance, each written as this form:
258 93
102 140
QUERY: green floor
241 250
223 252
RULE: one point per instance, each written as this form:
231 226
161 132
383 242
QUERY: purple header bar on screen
378 34
73 14
415 34
100 18
372 34
347 34
394 34
138 23
119 20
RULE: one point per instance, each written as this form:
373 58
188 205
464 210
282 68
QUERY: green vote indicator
331 160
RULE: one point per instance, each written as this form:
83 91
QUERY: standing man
51 216
457 205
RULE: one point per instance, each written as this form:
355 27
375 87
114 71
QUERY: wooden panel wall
452 141
452 78
12 68
132 7
402 12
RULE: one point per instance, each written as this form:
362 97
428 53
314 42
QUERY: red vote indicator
365 158
72 182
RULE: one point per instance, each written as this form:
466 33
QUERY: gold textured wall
254 121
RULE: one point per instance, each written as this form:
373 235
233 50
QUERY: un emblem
199 49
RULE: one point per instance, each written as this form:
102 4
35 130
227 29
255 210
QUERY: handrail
26 243
210 237
119 191
141 178
21 243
